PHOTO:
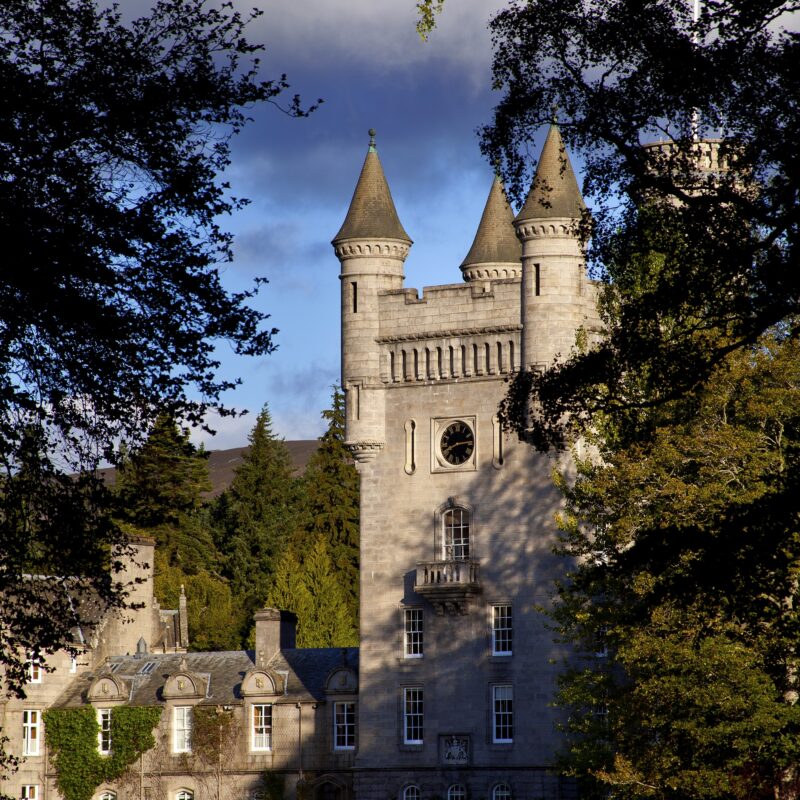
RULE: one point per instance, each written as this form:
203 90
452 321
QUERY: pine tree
290 593
160 491
312 589
257 513
331 490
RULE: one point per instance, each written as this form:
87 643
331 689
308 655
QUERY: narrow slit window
536 279
354 286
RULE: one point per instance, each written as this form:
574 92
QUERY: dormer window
182 729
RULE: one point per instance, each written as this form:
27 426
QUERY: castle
448 695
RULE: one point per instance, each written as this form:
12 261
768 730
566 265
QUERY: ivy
72 733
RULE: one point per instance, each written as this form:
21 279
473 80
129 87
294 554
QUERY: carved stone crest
455 749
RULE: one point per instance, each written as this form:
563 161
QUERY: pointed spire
496 244
554 192
372 214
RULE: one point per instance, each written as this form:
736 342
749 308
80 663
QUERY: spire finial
372 147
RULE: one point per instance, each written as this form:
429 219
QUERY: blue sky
426 100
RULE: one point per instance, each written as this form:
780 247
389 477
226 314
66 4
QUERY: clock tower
457 668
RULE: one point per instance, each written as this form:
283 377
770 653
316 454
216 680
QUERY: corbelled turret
371 246
496 251
553 269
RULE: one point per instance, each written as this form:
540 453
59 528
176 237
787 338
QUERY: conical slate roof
495 242
554 192
372 214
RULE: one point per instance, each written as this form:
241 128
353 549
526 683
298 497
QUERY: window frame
502 717
35 670
413 720
460 550
104 732
31 731
502 791
184 794
495 619
346 726
185 730
29 791
413 638
265 709
411 792
108 795
457 791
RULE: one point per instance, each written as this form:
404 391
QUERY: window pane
182 721
344 724
456 534
30 792
413 713
413 633
411 793
104 734
262 727
457 792
502 633
501 792
503 713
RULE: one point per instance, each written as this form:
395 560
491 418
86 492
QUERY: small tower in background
371 247
553 260
496 251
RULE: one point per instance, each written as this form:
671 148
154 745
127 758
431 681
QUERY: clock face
457 443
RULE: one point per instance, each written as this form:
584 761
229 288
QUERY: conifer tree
160 490
312 589
290 593
331 491
257 513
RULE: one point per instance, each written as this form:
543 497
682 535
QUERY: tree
112 140
684 595
313 590
160 491
258 512
331 500
621 73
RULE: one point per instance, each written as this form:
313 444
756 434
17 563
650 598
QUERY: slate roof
307 670
495 241
554 192
372 214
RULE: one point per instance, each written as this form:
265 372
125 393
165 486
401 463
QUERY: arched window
501 791
108 796
184 794
411 792
455 534
457 792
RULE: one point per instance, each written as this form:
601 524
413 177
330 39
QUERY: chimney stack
275 630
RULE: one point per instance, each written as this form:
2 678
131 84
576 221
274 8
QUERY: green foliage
426 16
621 72
160 489
687 552
112 306
215 736
331 505
312 589
256 515
215 615
72 739
273 786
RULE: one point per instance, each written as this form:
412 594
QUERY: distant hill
222 463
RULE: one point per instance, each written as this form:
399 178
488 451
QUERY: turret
371 247
553 263
496 251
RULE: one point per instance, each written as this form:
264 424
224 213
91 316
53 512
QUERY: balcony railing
448 585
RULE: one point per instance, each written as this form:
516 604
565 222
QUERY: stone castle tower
456 665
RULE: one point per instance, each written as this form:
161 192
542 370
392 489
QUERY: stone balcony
448 585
